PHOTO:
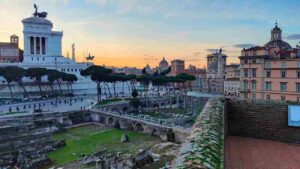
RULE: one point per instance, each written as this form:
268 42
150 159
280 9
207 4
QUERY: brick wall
260 120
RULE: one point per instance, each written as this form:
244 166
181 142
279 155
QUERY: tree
13 74
19 74
54 75
183 78
145 81
131 78
134 93
158 81
37 74
113 79
135 102
98 74
69 79
144 71
165 72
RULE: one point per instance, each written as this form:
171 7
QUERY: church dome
276 39
278 43
163 63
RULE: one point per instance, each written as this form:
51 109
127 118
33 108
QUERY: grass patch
86 140
108 101
164 113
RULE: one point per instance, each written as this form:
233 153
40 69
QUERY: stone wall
261 119
205 146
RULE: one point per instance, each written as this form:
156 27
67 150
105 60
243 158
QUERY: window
268 65
253 60
43 45
31 45
298 74
298 99
283 98
268 85
283 65
37 45
268 72
253 72
253 85
298 64
246 61
298 87
253 96
268 97
283 73
283 86
246 85
245 72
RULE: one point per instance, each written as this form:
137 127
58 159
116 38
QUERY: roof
37 20
278 43
163 62
254 48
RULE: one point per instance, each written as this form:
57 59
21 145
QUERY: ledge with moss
205 146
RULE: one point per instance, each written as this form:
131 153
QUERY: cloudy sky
137 32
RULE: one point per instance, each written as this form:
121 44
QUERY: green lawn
86 140
164 113
107 101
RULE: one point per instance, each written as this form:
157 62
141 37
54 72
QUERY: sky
140 32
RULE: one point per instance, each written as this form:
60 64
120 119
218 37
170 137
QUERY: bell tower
14 39
276 33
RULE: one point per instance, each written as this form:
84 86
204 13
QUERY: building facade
177 66
271 71
10 51
216 65
232 81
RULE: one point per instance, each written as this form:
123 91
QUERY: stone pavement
249 153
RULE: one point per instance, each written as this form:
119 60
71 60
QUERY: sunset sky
137 32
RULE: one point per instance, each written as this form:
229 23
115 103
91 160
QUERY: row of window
268 65
70 70
268 97
248 72
268 86
252 73
253 85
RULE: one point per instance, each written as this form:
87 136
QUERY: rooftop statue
90 58
39 14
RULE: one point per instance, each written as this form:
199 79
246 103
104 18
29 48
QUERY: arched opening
110 121
117 124
125 109
139 127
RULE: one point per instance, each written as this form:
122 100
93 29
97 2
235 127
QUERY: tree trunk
40 87
24 89
114 86
51 87
71 88
123 89
98 92
11 94
108 90
58 82
105 92
129 90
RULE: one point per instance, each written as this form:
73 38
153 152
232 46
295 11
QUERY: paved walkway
248 153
